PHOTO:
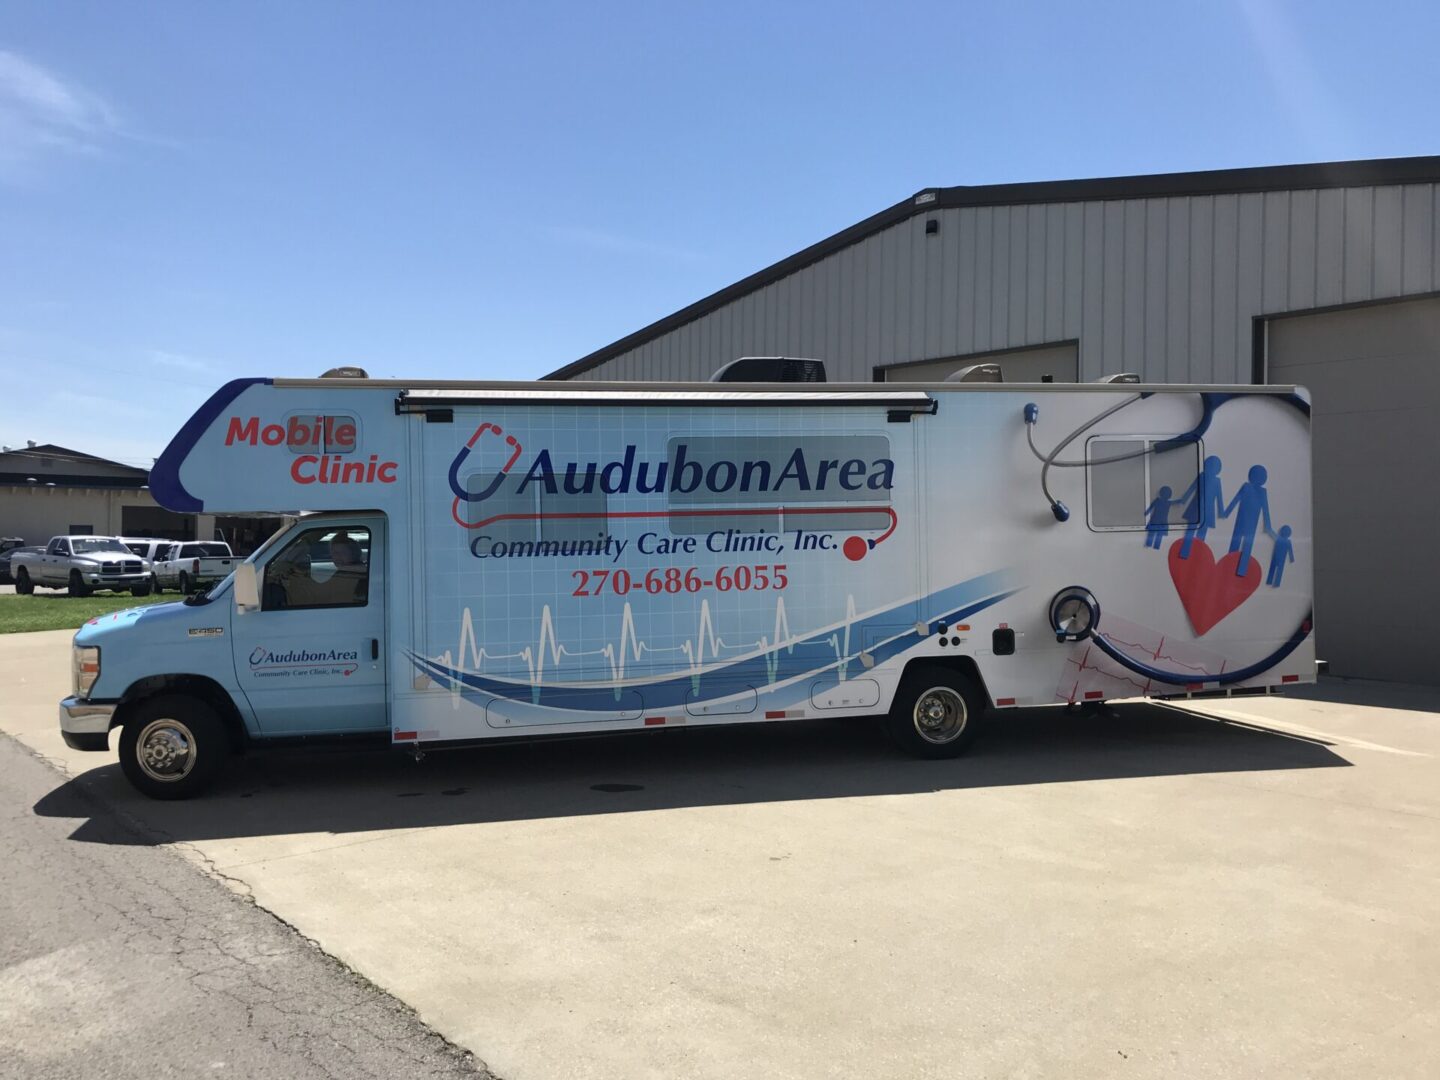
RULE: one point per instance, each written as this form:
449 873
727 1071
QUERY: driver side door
311 660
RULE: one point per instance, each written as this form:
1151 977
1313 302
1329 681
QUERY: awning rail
913 402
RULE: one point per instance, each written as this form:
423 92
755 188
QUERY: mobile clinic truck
480 561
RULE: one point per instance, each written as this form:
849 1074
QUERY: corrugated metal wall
1164 287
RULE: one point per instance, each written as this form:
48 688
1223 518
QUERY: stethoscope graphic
1074 611
461 494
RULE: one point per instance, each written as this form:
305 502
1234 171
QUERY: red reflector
1289 678
654 721
1091 695
1195 686
1005 701
407 735
775 714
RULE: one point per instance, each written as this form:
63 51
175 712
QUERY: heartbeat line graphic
627 647
1156 654
1090 675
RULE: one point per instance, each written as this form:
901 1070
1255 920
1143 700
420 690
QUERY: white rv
527 559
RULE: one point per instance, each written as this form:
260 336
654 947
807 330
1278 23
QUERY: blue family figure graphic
1157 518
1206 507
1250 505
1284 553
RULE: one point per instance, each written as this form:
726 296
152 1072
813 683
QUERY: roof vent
976 373
346 373
1119 377
781 369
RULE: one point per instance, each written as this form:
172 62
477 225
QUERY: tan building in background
48 490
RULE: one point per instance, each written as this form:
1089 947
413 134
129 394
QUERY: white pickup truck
187 566
80 564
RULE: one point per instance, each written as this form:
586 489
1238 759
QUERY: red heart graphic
1210 590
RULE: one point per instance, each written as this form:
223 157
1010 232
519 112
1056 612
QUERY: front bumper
85 725
119 581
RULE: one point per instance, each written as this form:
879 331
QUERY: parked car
7 545
189 565
151 550
80 564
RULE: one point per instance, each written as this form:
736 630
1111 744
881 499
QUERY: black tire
77 586
140 590
172 746
184 583
23 585
936 712
155 585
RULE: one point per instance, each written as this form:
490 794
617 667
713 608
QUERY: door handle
374 648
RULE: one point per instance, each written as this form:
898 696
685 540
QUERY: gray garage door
1061 362
1374 373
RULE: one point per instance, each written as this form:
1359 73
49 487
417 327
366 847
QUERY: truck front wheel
173 746
77 585
23 585
936 712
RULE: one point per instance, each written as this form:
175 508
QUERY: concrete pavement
1158 893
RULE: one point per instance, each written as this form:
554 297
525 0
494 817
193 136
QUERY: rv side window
320 568
709 477
1132 485
535 514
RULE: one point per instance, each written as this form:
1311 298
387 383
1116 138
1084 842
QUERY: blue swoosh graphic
776 665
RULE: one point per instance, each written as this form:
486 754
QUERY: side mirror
247 588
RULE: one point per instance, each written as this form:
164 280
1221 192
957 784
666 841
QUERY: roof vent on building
1119 377
346 373
976 373
784 369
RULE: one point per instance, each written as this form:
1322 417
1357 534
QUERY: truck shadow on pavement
335 791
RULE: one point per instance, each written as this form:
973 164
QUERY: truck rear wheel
173 746
23 585
184 583
936 712
77 585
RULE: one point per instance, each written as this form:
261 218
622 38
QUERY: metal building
1325 275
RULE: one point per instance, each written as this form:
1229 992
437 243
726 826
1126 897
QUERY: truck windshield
83 545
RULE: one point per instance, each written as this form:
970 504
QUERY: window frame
1181 526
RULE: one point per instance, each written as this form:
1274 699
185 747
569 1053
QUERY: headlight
86 669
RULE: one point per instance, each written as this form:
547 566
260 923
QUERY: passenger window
1132 480
320 568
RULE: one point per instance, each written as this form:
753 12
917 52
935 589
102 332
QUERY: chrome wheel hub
166 750
940 715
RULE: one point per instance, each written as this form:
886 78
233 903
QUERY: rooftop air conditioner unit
782 369
976 373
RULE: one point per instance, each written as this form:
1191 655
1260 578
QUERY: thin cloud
1315 110
182 361
42 114
619 244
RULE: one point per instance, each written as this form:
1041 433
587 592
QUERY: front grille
115 569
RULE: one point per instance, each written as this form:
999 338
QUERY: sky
195 192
